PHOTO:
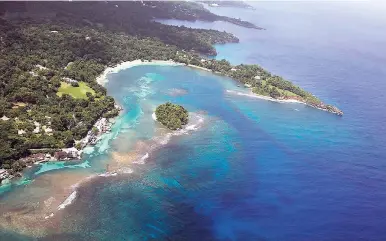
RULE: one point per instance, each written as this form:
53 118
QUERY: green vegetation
261 81
172 116
77 92
191 11
44 43
133 18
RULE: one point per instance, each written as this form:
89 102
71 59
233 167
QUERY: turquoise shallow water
254 170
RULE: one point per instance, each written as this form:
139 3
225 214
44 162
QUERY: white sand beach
102 79
253 95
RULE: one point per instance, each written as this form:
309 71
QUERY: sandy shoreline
198 67
102 79
64 193
253 95
46 208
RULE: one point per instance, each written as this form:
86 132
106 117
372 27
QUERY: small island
172 116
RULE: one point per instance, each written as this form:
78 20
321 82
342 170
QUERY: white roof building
69 80
20 132
40 66
37 127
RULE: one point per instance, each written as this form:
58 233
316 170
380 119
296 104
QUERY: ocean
244 168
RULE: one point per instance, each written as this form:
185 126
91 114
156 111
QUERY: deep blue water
255 170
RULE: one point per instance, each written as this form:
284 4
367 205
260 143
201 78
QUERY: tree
274 93
172 116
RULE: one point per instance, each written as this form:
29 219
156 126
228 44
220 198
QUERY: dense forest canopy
172 116
134 18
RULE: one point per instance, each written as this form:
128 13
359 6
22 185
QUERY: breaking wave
68 201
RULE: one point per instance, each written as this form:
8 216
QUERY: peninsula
53 52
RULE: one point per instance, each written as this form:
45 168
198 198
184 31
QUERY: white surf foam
252 95
142 159
108 174
126 170
195 125
68 201
160 140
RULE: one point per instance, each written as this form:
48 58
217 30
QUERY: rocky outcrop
328 108
320 106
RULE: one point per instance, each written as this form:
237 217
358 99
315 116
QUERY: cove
254 170
251 168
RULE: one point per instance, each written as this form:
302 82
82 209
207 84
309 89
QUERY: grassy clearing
76 92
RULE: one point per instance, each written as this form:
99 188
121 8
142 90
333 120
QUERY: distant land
237 4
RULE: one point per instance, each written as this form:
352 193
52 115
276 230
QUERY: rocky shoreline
102 126
320 106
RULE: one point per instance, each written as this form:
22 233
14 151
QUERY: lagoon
253 169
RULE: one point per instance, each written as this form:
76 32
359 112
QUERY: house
40 67
3 174
69 80
37 127
72 153
4 118
20 132
60 155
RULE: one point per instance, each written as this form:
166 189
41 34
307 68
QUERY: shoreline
262 97
104 125
102 78
71 194
64 194
283 101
